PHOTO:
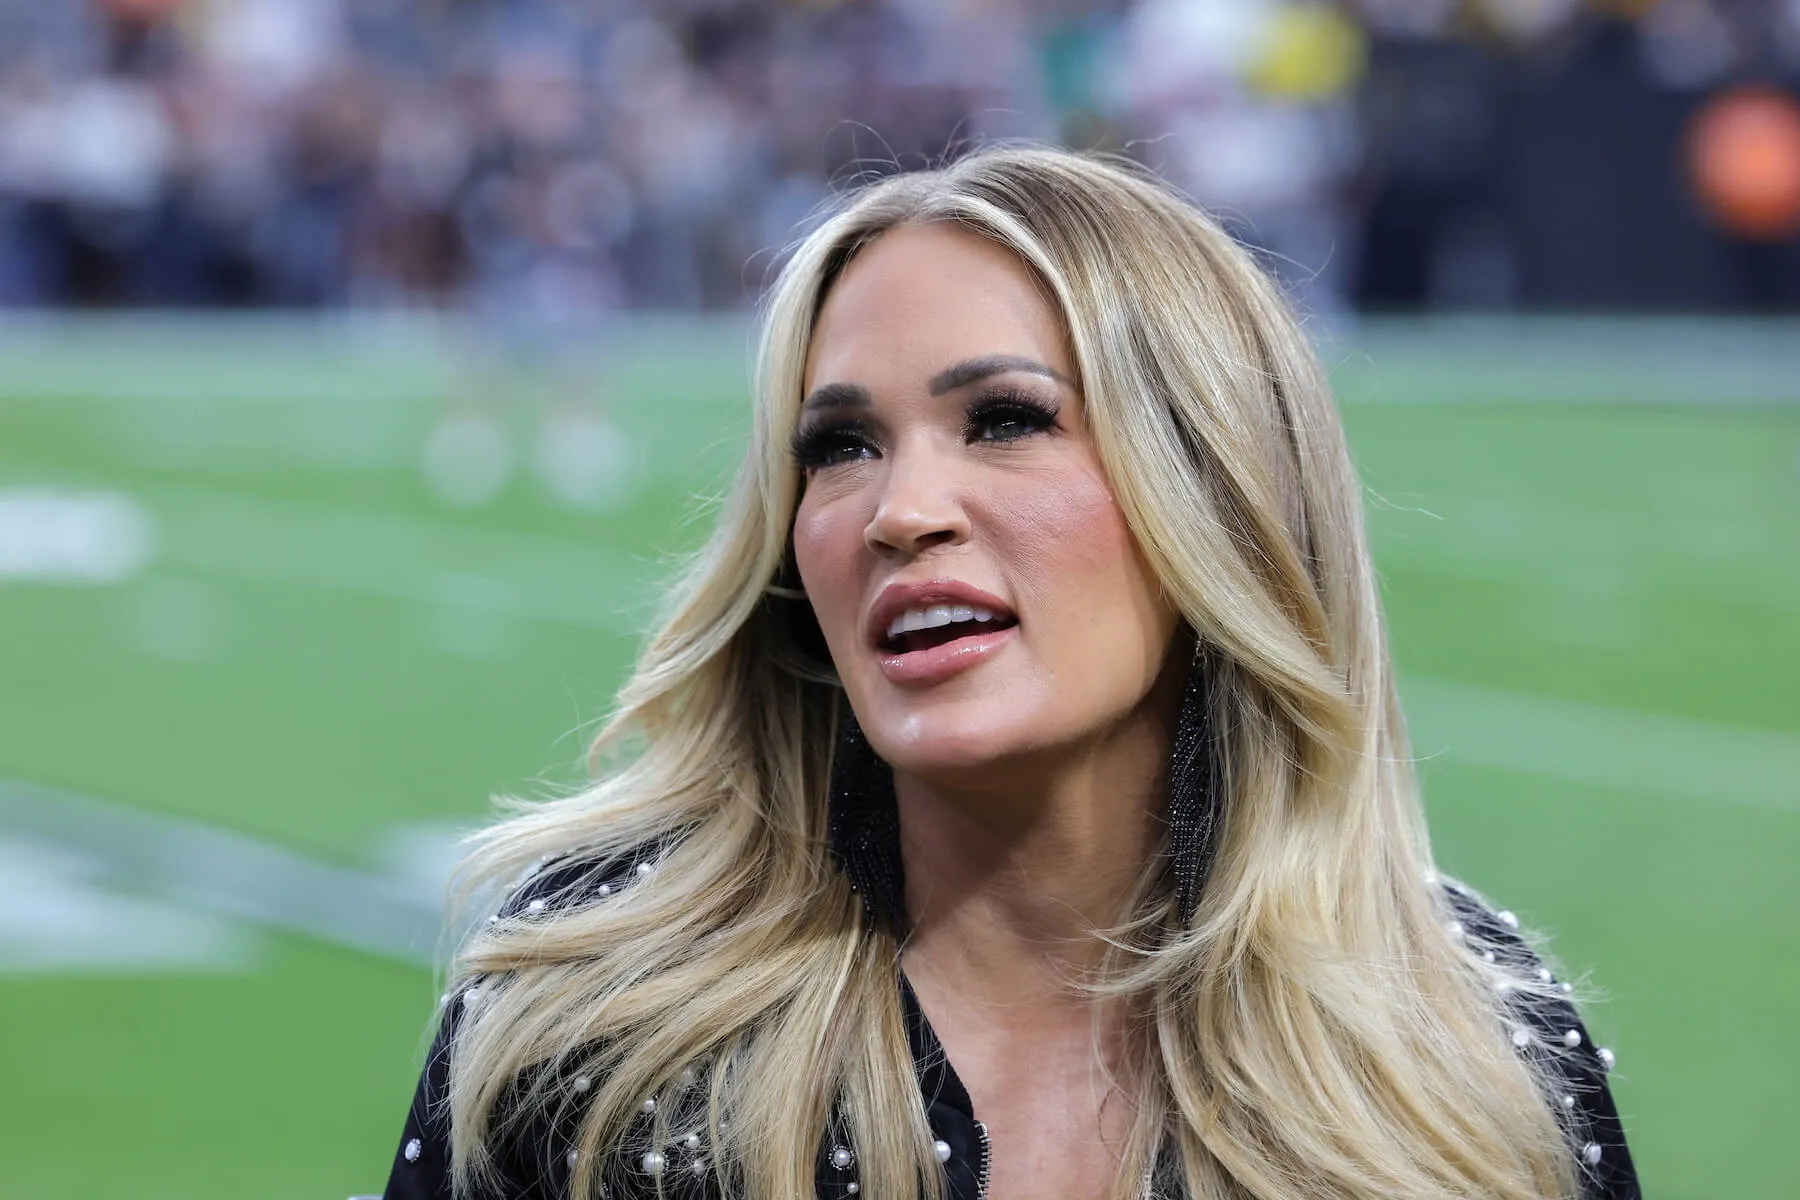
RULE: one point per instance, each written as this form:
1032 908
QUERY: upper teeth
935 616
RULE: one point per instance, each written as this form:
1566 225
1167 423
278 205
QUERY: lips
928 631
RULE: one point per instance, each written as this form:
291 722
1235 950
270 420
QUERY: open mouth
940 625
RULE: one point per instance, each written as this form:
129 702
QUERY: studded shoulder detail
1547 1030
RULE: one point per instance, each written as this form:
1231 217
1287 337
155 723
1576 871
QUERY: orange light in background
1744 155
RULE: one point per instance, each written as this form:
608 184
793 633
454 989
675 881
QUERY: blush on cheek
1091 608
1071 523
828 549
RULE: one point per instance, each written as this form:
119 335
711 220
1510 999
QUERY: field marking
234 876
1614 748
154 867
58 917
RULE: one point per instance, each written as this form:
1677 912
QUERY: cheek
1080 569
828 549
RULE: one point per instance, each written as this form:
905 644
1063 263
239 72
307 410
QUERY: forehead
921 297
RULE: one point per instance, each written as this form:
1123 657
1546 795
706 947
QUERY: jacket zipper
987 1162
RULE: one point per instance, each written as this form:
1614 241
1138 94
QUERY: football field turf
256 670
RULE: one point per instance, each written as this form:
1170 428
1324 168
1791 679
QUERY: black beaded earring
864 825
864 822
1196 787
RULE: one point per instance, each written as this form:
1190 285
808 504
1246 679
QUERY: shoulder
1547 1030
554 884
565 882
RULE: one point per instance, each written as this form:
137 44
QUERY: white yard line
1629 752
171 860
166 864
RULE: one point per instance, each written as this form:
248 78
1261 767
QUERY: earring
863 825
1196 788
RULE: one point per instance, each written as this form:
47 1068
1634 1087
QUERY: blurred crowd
537 160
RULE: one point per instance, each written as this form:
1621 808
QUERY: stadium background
365 365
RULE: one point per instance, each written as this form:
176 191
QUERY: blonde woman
1013 801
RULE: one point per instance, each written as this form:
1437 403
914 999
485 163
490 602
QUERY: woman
1017 802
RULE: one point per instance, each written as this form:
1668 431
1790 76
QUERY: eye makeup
997 416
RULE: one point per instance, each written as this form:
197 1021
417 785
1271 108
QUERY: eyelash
814 446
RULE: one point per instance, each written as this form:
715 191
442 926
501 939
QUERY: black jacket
535 1166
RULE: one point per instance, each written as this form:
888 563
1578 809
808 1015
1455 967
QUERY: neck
1007 883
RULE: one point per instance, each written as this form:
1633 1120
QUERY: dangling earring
1196 788
864 825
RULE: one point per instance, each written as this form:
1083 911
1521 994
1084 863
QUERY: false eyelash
811 445
992 405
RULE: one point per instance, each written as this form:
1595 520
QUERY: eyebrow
957 375
973 370
838 395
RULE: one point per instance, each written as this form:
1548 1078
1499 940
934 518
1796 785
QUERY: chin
962 745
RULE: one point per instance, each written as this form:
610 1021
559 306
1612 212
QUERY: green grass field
258 673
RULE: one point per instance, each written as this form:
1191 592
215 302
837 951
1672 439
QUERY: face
981 596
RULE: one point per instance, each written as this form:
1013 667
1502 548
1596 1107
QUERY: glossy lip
937 662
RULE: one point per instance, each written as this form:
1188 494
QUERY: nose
918 507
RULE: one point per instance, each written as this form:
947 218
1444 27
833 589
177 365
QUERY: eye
1007 417
820 446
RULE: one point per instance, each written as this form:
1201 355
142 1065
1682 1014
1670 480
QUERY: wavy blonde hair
1316 1030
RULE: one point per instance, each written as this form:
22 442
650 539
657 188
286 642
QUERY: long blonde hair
1317 1029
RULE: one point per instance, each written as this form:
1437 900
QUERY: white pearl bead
943 1150
470 997
1503 985
841 1158
1544 975
1591 1152
1508 918
573 1158
1606 1057
606 889
653 1163
583 1083
691 1141
1456 929
1487 956
687 1077
1568 1101
648 1106
1568 989
536 906
852 1187
1572 1038
698 1166
494 920
645 869
1521 1036
414 1148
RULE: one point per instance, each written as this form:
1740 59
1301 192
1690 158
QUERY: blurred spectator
543 161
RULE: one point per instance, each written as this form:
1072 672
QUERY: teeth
935 617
